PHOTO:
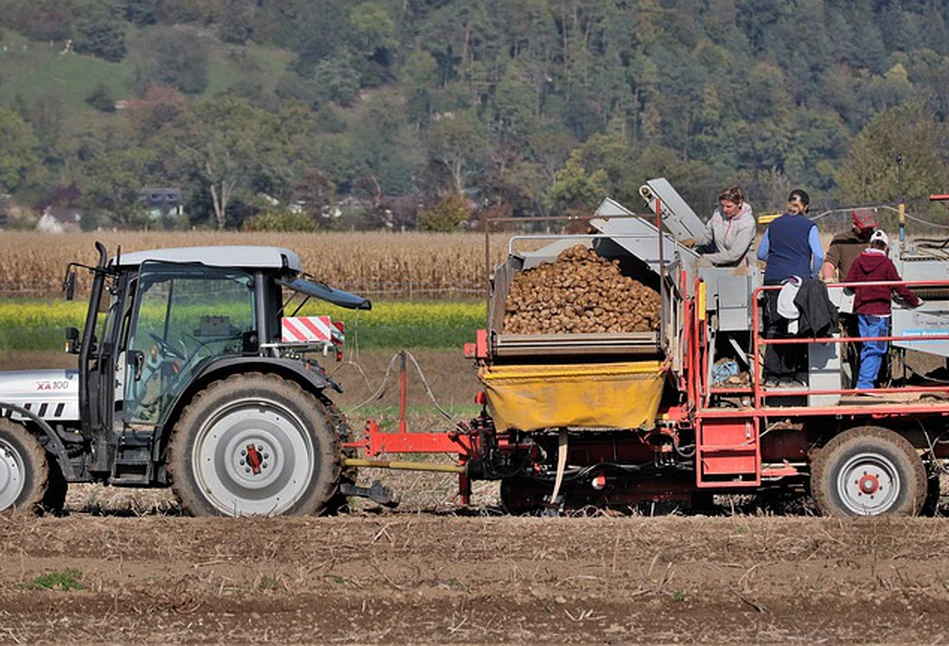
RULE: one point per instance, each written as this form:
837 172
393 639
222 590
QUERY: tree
141 12
235 21
98 30
444 216
114 182
230 145
171 57
870 173
575 188
18 151
457 142
101 99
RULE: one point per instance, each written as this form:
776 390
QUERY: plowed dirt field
437 578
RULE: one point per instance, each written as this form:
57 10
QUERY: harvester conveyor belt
638 344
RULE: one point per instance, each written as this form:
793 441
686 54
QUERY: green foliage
446 215
235 21
101 99
115 180
141 12
18 151
457 143
99 30
285 221
420 98
63 580
870 172
576 188
172 57
230 145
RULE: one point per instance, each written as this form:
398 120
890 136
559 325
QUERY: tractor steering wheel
166 348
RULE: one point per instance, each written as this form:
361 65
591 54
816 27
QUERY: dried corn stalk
579 293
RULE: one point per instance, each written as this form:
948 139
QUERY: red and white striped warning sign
301 329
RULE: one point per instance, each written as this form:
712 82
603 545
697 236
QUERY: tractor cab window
184 315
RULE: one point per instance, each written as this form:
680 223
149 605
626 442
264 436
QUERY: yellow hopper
596 395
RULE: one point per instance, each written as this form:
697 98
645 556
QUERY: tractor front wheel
254 444
868 471
24 469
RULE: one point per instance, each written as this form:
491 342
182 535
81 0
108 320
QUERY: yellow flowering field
37 324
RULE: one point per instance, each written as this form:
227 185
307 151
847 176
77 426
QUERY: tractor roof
244 257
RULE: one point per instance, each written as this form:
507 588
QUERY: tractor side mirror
72 340
137 361
69 285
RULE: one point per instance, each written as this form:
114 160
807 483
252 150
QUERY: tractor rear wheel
868 471
24 469
254 444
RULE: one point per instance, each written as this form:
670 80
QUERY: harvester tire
521 496
24 469
251 445
868 471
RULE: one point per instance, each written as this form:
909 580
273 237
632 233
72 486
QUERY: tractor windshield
183 315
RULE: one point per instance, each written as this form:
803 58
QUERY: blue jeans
871 355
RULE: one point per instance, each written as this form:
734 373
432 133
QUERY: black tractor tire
24 469
254 445
348 475
869 471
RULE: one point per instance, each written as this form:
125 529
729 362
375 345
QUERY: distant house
59 219
162 202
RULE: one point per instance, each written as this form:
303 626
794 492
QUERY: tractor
185 378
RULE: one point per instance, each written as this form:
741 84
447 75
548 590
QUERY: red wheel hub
253 459
869 484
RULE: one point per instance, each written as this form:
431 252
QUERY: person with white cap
872 304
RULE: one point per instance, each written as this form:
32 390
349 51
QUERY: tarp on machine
597 395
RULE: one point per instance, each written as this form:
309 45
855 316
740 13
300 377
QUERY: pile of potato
580 293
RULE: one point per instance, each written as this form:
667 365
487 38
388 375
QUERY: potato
579 293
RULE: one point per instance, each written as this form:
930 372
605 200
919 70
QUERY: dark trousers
780 361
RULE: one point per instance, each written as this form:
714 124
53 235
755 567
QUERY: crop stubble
399 578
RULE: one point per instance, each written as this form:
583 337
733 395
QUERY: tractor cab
163 324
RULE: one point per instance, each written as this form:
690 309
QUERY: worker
729 234
791 247
846 247
872 305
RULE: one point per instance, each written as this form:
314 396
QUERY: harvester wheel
24 469
254 444
520 496
868 471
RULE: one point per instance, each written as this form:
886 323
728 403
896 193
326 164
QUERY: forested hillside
405 113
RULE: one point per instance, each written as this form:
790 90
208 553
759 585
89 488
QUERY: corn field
413 265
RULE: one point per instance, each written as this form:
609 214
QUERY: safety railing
759 343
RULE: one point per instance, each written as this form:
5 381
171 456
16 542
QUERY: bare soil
428 577
429 573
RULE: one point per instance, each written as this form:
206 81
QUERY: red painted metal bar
756 348
376 441
939 197
870 409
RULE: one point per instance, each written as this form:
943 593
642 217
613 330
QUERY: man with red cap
845 248
843 251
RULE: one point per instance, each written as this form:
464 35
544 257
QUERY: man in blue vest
791 247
